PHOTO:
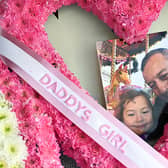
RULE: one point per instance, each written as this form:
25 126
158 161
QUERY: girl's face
137 115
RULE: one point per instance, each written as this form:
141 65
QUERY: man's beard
164 96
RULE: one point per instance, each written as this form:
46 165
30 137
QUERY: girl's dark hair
128 95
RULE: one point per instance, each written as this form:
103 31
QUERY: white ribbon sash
78 107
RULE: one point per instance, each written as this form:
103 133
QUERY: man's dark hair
163 51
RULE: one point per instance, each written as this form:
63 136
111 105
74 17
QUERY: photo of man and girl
135 83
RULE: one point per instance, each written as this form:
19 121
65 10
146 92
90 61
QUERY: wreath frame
25 20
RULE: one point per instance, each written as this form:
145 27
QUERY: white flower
4 102
3 164
15 149
18 165
3 161
5 114
1 144
8 128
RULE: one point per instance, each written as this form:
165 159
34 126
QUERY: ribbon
78 107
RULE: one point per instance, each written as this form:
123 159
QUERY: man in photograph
155 72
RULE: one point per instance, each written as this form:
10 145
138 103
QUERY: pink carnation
42 126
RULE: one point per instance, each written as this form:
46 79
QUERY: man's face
156 75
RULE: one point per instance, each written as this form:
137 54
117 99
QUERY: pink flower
162 146
6 23
33 161
42 126
16 5
48 148
3 8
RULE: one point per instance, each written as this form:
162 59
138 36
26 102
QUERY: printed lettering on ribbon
81 109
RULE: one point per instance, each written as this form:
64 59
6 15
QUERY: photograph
135 82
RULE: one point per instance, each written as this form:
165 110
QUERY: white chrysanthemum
1 144
18 165
15 149
8 128
3 161
5 114
4 103
3 164
12 148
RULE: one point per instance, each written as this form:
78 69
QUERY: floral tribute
13 150
162 145
27 139
44 128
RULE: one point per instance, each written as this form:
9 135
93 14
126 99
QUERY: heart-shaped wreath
41 125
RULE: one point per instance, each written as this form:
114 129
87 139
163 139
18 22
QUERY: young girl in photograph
135 111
